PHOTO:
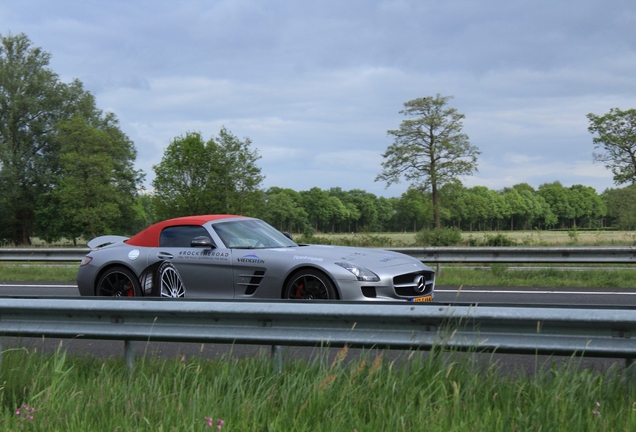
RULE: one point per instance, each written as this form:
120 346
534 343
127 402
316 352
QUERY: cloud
316 85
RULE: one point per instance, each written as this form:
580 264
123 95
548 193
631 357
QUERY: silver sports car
236 257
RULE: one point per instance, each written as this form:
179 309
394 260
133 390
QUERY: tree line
67 171
519 207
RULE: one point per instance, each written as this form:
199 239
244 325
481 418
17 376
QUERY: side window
180 236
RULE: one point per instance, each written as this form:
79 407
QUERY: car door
206 272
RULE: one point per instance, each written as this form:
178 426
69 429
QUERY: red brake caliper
130 291
299 291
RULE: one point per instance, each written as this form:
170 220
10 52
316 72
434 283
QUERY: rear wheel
118 282
309 284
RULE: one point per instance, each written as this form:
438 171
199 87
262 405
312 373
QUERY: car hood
370 258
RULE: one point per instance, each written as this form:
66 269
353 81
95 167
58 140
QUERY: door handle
164 256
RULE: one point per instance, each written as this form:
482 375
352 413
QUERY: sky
316 85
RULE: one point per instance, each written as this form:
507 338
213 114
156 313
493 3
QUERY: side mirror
288 235
202 242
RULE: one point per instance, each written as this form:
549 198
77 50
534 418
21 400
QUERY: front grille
369 291
406 284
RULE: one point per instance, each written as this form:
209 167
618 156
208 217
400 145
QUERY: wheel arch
295 270
114 264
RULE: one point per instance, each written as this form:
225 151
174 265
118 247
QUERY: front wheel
118 282
309 284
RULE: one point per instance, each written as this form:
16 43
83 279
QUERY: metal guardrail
431 255
522 330
43 254
561 255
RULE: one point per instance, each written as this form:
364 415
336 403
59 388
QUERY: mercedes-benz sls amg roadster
236 257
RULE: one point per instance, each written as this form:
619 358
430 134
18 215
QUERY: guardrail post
630 373
277 358
129 354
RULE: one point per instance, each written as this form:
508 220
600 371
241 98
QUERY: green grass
416 392
38 272
499 275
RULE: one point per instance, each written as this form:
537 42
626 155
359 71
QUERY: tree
429 149
478 208
621 207
516 204
617 137
452 203
558 198
96 186
413 210
32 103
182 178
318 206
366 203
237 179
283 209
217 176
587 204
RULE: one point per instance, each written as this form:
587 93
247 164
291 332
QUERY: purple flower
25 412
210 422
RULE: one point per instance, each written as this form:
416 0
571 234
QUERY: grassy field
496 275
420 392
407 239
521 238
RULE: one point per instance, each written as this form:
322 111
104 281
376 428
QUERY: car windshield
251 234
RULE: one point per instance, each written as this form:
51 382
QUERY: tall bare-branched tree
430 149
617 137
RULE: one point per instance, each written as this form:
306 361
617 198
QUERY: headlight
361 273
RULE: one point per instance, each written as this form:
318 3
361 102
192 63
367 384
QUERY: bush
438 237
498 240
573 234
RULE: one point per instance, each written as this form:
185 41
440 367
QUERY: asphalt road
444 294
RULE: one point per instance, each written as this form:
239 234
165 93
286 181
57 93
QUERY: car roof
150 236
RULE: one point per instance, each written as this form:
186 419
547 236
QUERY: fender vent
255 281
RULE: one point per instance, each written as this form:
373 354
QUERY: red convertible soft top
150 236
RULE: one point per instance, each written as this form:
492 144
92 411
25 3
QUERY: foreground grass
417 392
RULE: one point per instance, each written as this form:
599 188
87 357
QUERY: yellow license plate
427 298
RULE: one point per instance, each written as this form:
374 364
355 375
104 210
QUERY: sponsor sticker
308 258
251 259
206 252
387 258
